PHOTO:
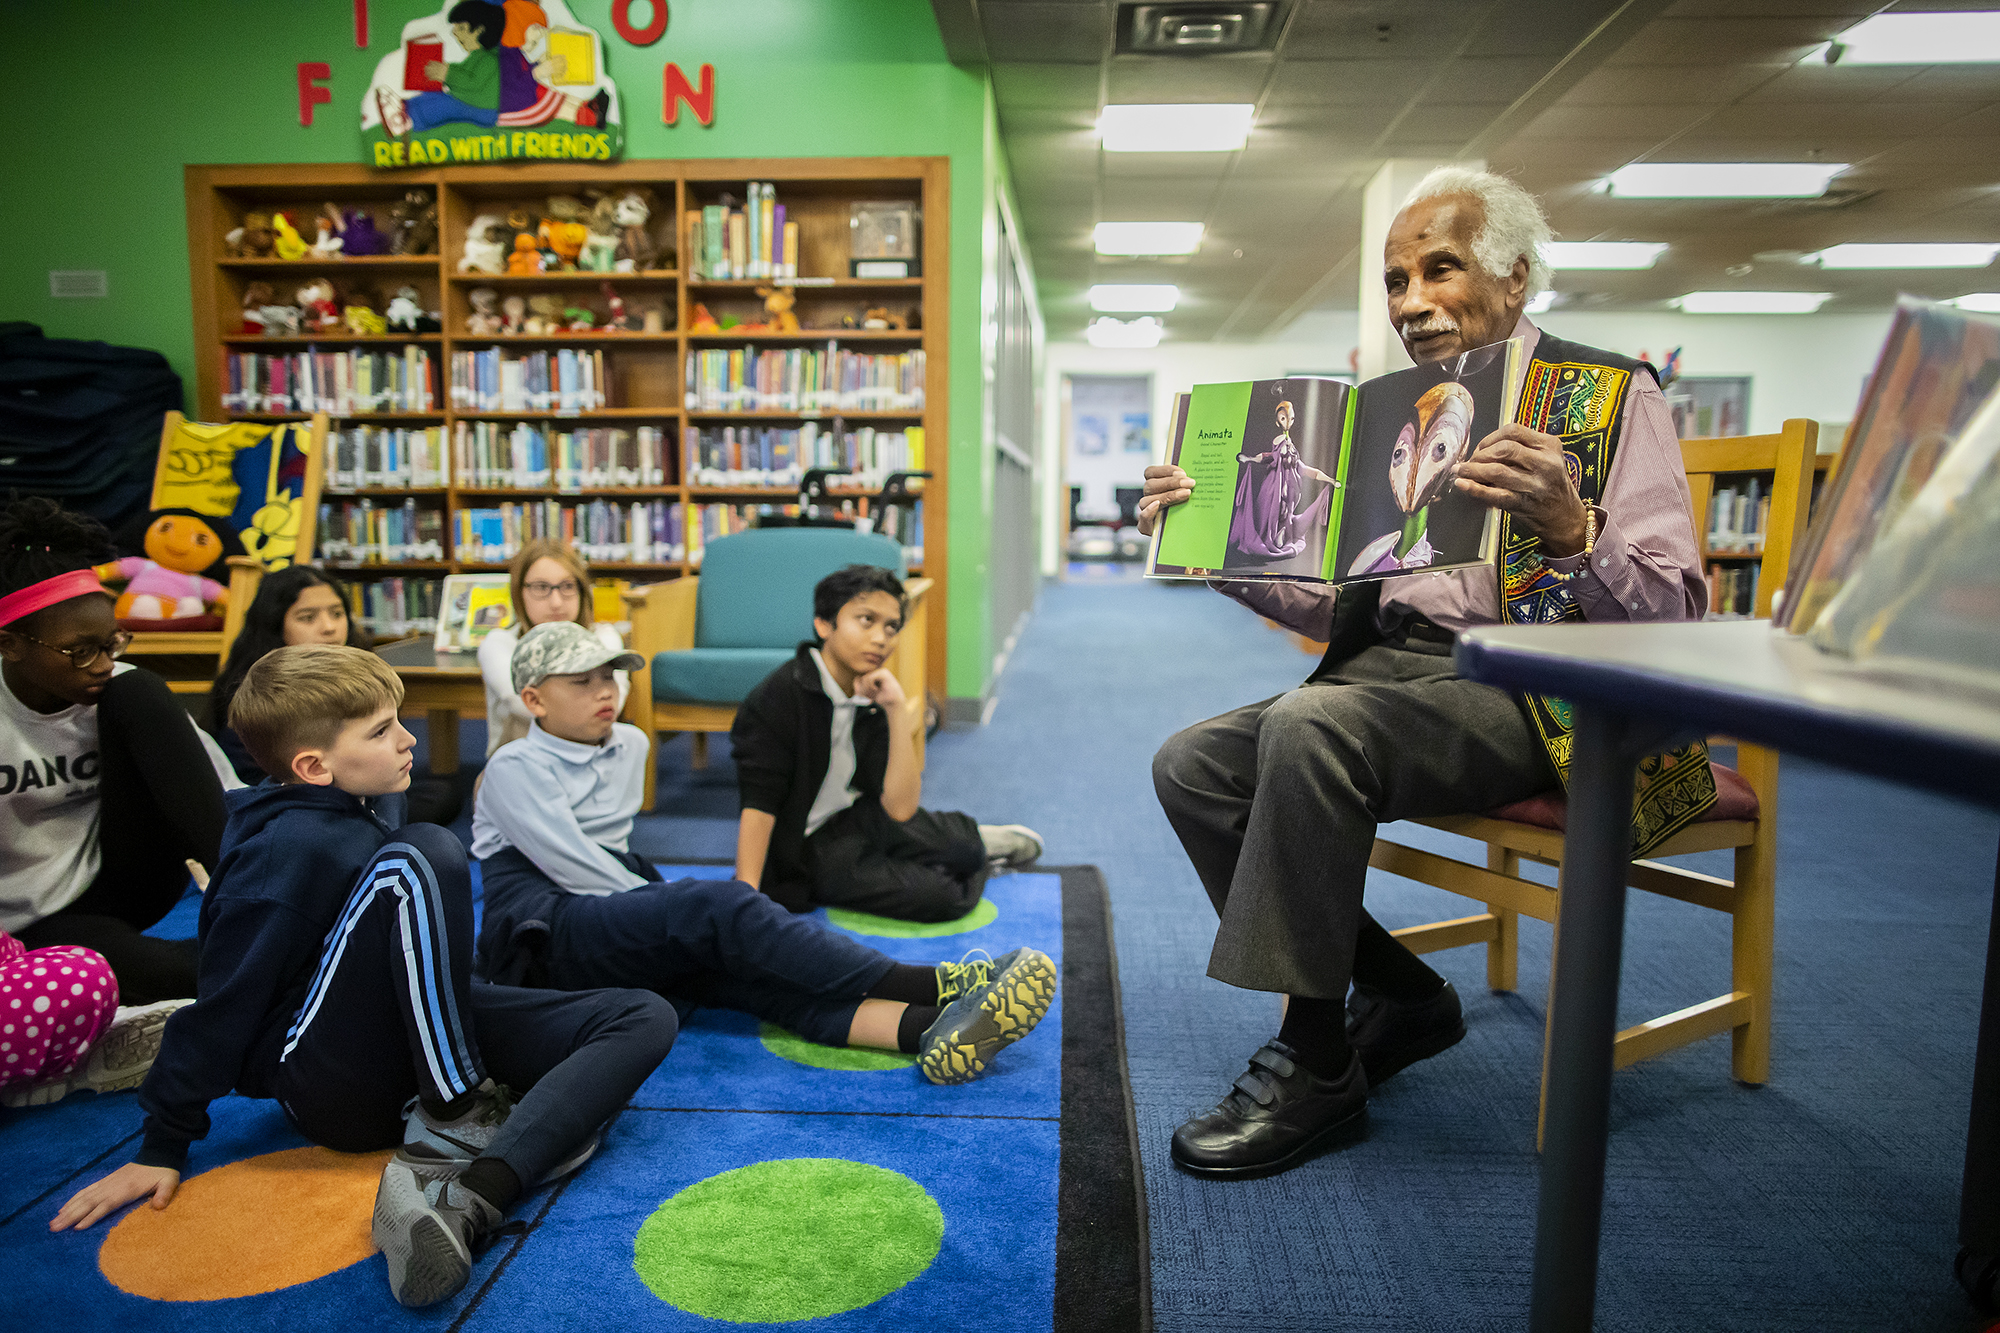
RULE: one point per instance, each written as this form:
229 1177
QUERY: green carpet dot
862 923
800 1238
790 1046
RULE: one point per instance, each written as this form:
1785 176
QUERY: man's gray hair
1515 226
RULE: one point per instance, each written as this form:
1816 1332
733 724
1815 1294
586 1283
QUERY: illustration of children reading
1426 457
1267 523
503 80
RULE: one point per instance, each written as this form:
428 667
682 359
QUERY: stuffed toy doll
171 580
363 236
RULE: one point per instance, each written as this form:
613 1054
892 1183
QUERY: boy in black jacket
827 766
335 976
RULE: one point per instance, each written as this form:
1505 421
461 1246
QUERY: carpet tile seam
892 1115
44 1196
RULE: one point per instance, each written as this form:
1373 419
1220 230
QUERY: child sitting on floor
827 765
568 905
336 956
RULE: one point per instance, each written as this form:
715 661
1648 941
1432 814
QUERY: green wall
97 143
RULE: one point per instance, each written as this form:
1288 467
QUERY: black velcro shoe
1390 1035
1277 1116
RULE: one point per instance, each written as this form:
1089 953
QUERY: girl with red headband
106 789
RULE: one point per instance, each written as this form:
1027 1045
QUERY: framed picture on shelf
471 607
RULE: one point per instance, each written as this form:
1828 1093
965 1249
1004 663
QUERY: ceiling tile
1175 168
1666 85
1163 79
1814 81
1814 120
1487 81
1378 29
1046 87
1538 27
1433 122
1347 82
1044 33
1713 41
1980 82
1758 9
1608 122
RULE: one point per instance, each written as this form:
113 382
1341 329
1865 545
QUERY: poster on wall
493 82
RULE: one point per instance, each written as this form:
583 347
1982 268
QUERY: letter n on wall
675 89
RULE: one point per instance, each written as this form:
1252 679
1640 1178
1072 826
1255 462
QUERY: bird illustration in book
1426 457
1268 522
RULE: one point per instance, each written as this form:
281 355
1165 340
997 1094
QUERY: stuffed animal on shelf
778 303
316 306
281 321
256 296
363 236
545 315
578 319
170 581
637 251
512 311
600 248
484 321
289 245
526 260
404 312
562 231
332 234
254 239
362 321
413 224
878 317
485 245
616 321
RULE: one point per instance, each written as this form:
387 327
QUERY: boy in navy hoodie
335 977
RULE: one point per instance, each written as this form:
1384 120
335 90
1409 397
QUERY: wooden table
1635 687
445 686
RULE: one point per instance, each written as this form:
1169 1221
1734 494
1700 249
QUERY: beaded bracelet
1589 545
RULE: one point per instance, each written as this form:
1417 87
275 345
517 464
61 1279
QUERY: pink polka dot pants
54 1005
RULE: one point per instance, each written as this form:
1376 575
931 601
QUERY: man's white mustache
1421 328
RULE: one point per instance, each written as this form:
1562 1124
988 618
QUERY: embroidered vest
1578 394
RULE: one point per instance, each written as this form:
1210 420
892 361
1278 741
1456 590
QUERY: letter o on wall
656 27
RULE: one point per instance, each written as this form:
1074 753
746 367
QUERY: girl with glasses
550 582
107 789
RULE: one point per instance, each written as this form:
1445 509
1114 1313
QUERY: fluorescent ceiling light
1175 127
1148 238
1986 303
1540 302
1603 254
1723 180
1142 332
1907 256
1959 38
1121 297
1751 303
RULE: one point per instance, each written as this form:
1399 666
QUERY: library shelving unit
1735 484
645 373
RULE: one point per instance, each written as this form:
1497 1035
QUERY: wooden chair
769 600
272 501
1744 820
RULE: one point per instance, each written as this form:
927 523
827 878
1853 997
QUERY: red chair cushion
1734 799
185 625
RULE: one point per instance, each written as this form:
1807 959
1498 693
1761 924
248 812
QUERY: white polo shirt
837 792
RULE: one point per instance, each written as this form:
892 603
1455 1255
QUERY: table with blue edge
1636 689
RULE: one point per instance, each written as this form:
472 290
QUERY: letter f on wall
310 93
675 89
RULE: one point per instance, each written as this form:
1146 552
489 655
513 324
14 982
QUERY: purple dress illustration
1267 522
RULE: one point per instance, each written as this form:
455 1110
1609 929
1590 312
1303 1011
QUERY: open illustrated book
1314 480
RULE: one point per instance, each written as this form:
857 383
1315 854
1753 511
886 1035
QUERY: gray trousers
1276 802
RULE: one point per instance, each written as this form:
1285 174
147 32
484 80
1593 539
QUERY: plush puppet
171 581
256 296
289 245
511 312
363 236
485 246
778 303
280 321
413 224
637 251
600 248
404 312
579 319
332 234
485 318
545 315
254 239
616 321
316 305
563 232
526 260
700 321
362 321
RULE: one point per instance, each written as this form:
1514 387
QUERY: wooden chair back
1788 456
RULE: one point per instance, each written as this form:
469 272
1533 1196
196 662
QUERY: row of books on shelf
564 379
804 379
1732 590
364 532
1738 517
349 383
491 455
385 456
727 241
769 456
393 607
642 532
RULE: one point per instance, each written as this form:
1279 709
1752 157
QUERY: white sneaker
120 1059
1011 844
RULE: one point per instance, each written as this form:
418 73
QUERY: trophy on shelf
882 239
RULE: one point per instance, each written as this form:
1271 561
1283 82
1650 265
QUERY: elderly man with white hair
1276 803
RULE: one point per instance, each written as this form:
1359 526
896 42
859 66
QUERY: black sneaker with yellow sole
988 1017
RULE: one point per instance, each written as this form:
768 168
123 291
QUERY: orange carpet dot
254 1226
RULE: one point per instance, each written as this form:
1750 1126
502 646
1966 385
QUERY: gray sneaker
428 1229
1011 844
469 1134
988 1017
120 1059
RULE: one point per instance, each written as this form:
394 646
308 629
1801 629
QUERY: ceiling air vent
1196 29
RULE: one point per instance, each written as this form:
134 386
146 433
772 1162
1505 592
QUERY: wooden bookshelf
645 371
